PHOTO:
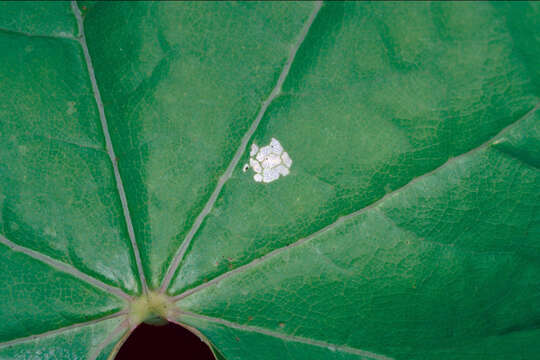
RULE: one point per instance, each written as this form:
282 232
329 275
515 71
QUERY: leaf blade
172 141
354 142
56 183
387 268
41 298
78 342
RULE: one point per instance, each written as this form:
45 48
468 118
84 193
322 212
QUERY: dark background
168 341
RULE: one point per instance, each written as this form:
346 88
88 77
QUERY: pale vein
344 218
60 330
46 36
122 327
63 267
303 340
109 146
208 207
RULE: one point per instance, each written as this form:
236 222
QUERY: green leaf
407 228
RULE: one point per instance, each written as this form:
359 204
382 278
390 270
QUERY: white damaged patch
268 162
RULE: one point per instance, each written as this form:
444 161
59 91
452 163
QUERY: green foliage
408 228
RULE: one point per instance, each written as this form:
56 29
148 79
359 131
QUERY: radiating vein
293 338
344 218
65 268
119 344
18 32
522 160
109 146
123 326
228 172
60 330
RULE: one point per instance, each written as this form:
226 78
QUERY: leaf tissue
288 180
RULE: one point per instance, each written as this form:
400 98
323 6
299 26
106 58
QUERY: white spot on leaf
254 150
282 170
286 159
263 152
255 165
276 147
269 162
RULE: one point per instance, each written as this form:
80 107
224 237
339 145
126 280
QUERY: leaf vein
124 325
175 263
60 330
292 338
65 268
46 36
109 146
344 218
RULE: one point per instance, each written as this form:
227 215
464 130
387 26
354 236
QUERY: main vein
122 327
300 339
344 218
47 36
109 146
65 268
60 330
179 255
